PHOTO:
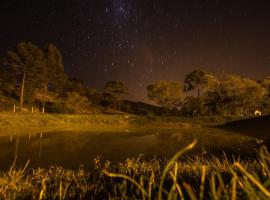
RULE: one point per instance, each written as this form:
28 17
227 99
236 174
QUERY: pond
73 149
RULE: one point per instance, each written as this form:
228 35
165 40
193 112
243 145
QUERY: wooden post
14 108
32 109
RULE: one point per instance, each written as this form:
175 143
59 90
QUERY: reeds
136 178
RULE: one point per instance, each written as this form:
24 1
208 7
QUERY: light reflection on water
71 149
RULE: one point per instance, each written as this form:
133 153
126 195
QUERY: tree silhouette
115 89
194 79
26 61
168 94
52 72
36 68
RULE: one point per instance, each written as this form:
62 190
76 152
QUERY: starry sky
142 41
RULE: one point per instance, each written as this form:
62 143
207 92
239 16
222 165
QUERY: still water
73 149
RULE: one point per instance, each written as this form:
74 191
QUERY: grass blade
252 179
202 182
170 163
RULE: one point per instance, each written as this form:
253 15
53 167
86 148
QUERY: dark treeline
205 94
33 79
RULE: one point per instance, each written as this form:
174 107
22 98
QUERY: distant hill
141 108
256 126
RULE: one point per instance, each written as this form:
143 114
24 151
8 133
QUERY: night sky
142 41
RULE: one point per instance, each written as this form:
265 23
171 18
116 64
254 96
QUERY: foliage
94 96
113 92
210 82
50 75
168 94
266 99
7 83
36 70
75 85
234 95
75 103
137 178
195 79
36 76
25 60
53 73
192 106
116 88
265 83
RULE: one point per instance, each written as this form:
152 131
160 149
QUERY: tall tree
210 97
210 82
168 94
235 95
24 59
40 70
115 89
55 73
75 85
7 82
193 80
52 75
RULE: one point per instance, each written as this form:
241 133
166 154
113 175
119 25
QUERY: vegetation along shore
36 96
9 120
136 178
142 99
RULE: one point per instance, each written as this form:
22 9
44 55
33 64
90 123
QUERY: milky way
140 41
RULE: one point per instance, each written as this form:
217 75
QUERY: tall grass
136 178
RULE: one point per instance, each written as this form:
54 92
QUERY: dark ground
258 127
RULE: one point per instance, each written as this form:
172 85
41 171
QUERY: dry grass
136 178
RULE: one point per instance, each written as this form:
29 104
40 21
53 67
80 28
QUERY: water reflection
72 149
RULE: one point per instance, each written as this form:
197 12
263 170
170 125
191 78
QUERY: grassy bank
136 178
19 120
19 123
29 119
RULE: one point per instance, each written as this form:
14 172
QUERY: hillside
141 108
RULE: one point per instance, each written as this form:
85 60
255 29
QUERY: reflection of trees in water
74 147
68 142
17 148
42 147
210 142
170 143
217 142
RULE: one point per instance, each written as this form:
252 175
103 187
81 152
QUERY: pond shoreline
47 160
106 179
11 121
